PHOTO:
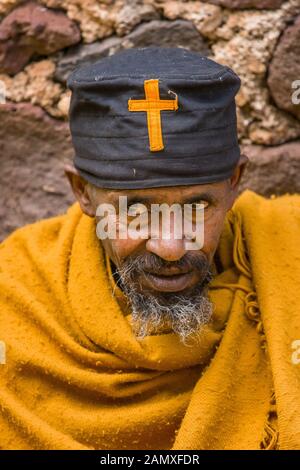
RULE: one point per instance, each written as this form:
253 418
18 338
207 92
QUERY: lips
168 281
172 271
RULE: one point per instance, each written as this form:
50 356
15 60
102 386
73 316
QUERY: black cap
154 116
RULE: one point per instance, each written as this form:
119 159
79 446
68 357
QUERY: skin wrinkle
136 261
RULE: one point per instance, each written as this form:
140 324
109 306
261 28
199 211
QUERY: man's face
168 265
165 283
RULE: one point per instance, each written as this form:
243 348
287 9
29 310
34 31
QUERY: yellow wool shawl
76 377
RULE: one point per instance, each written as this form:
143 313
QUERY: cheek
118 249
212 230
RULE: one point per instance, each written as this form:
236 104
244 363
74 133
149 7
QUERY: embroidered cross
153 105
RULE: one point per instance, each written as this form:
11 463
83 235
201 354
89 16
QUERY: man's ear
238 172
80 189
235 179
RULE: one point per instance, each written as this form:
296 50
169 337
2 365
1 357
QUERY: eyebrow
202 196
133 200
146 199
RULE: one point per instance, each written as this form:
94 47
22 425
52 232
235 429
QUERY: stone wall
41 42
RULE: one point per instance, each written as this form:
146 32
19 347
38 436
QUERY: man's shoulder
250 203
261 221
38 236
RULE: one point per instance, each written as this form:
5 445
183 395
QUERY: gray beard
185 314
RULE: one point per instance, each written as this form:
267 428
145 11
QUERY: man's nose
169 250
168 245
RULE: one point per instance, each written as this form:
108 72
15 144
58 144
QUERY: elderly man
153 342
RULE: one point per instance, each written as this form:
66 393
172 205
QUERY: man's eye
204 204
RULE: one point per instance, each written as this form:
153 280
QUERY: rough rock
35 84
285 69
33 148
246 43
7 5
162 33
273 128
95 17
205 17
33 29
167 33
240 4
272 170
133 13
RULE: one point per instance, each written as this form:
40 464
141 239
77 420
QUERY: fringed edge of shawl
270 436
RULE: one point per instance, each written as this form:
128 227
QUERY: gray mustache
151 262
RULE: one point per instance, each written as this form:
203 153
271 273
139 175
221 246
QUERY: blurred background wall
41 42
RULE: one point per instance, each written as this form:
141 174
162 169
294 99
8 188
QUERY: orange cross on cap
153 105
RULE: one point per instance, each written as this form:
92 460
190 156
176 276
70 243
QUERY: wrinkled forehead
167 194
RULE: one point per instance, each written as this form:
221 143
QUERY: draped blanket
76 377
